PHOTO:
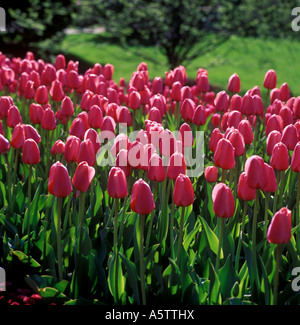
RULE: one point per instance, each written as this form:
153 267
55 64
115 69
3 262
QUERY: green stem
179 244
8 181
276 277
238 252
116 248
222 221
223 175
266 214
282 184
151 218
254 226
122 220
276 194
59 250
28 212
297 202
142 272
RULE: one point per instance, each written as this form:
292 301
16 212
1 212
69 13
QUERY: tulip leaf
212 238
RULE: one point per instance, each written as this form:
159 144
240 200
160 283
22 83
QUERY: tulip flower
273 138
124 116
176 165
86 152
18 137
67 107
36 113
186 135
270 79
187 109
59 185
95 117
245 192
108 128
279 232
234 83
48 120
4 144
176 91
72 147
280 157
56 91
183 195
78 128
155 115
41 95
58 148
13 116
289 136
222 101
295 167
31 152
142 202
156 169
224 156
215 136
117 183
224 207
211 174
5 103
275 122
199 117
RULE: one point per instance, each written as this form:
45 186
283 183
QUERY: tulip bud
56 91
124 116
155 115
31 133
86 152
222 101
234 83
13 117
295 163
275 122
41 95
31 152
108 128
122 162
245 192
215 137
280 157
59 182
67 108
202 82
284 92
18 137
183 194
156 169
176 165
270 79
83 176
223 201
185 135
176 91
49 121
224 154
4 144
117 183
58 148
279 231
5 103
187 109
211 174
78 128
108 71
36 113
271 185
72 146
255 169
238 142
273 138
95 117
134 100
289 136
199 117
142 201
246 130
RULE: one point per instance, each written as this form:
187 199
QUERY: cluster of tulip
59 121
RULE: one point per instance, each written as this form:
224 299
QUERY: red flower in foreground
83 176
183 194
255 169
117 183
279 231
223 201
224 156
31 152
59 182
211 174
142 201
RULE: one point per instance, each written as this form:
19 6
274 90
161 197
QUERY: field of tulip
93 214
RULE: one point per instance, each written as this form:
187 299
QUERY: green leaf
212 238
132 277
214 287
24 258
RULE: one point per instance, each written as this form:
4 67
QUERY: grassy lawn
249 58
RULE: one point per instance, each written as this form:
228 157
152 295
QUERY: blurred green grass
248 57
